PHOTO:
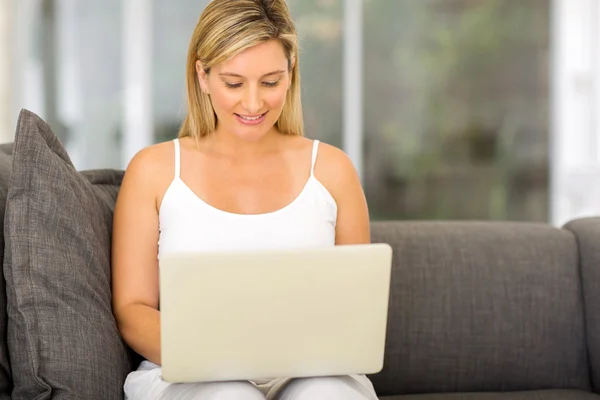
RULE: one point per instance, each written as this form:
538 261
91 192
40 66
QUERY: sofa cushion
482 306
5 373
62 337
531 395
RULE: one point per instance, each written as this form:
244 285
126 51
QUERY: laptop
255 315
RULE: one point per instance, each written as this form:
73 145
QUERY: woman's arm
134 258
335 171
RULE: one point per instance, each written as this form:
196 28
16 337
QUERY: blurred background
449 109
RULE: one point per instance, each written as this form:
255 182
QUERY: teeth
250 119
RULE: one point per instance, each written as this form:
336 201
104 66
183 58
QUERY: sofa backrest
482 306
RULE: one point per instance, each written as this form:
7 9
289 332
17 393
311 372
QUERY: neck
227 145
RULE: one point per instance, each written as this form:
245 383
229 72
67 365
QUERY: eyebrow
240 76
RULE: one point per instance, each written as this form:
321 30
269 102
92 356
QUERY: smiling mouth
248 118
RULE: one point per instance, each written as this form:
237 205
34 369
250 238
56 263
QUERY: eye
232 85
271 84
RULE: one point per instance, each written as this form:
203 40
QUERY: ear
202 76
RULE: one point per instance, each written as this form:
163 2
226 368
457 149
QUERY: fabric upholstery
5 372
587 232
531 395
482 307
62 338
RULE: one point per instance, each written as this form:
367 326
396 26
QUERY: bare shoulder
335 170
151 170
152 159
298 144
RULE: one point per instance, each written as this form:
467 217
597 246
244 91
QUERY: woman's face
248 92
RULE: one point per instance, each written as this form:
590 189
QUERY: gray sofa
478 310
492 310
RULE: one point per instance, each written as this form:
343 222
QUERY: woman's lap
146 383
354 387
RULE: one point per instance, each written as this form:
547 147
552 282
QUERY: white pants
146 384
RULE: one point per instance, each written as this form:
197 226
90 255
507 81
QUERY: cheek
223 100
227 101
276 98
224 103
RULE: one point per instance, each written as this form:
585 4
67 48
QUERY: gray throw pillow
62 337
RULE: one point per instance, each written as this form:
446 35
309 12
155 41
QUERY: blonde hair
225 29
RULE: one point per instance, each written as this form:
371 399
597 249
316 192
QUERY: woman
239 176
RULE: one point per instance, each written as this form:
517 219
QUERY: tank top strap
177 158
315 150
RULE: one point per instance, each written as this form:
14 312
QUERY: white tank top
189 224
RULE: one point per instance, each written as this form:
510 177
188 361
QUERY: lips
251 119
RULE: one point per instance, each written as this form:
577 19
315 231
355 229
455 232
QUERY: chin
252 133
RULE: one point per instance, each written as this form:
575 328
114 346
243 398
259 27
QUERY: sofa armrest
587 234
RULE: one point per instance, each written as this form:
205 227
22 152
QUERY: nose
252 101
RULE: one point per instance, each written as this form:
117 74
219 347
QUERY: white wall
353 83
137 121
